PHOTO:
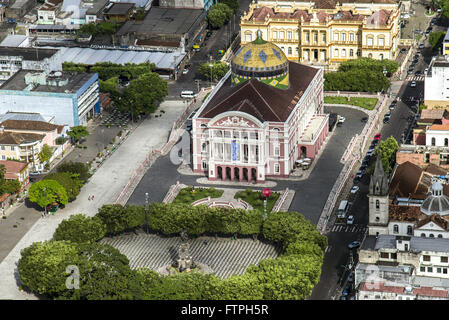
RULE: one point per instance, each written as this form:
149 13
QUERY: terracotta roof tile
380 287
405 180
430 292
432 113
15 138
13 166
28 125
272 103
443 127
435 218
405 213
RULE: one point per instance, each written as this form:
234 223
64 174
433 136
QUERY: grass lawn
254 198
189 195
366 103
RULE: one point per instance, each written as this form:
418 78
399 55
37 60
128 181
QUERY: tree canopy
68 181
142 94
46 192
78 132
436 38
219 14
45 153
387 150
80 169
219 70
80 228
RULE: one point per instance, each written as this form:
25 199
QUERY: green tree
143 94
80 228
435 39
42 266
77 133
369 64
109 86
75 67
216 18
233 4
287 277
10 186
68 181
244 287
47 192
114 217
356 80
76 168
45 153
2 174
387 150
140 14
105 275
219 69
224 8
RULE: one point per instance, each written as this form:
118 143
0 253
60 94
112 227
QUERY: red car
377 136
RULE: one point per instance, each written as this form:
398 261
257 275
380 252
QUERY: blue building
71 98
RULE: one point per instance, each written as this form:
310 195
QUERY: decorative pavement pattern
224 255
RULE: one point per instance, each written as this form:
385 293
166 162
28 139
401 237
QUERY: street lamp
146 211
211 65
45 195
266 193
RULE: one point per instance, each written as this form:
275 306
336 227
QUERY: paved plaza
106 185
224 256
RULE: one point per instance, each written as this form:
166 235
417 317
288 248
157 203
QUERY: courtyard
224 256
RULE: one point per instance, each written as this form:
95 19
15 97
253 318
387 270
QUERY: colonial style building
326 32
265 114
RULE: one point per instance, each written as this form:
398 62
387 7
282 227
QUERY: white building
437 135
13 59
72 98
436 83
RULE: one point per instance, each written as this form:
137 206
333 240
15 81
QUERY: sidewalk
106 184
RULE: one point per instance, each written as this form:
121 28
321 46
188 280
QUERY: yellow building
446 43
326 32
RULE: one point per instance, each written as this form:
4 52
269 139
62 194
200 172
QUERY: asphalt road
337 255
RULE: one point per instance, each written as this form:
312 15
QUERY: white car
413 84
185 71
35 173
426 70
355 189
350 220
370 153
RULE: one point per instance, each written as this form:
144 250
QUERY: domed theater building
264 114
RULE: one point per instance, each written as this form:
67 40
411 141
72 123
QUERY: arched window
440 236
431 235
423 235
377 204
381 56
343 52
336 52
248 36
433 141
395 228
409 230
370 55
351 52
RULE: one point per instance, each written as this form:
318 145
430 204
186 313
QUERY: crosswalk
414 78
339 227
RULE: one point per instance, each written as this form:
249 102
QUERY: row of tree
221 13
214 73
436 39
362 74
105 272
108 70
105 27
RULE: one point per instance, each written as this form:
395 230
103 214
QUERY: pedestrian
92 197
88 198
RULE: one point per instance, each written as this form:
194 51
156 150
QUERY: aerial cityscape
224 150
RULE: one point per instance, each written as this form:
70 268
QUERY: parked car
410 71
418 73
354 244
359 174
377 136
351 277
35 173
364 119
403 50
413 84
185 71
426 70
392 106
347 290
386 119
355 189
208 34
350 220
421 46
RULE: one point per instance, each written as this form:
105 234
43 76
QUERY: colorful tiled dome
261 60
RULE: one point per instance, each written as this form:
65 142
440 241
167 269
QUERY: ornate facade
251 128
326 32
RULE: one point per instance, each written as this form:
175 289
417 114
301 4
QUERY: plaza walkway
105 185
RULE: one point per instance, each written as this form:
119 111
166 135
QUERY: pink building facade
254 131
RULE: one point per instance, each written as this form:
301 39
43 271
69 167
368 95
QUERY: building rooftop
120 8
16 138
13 40
30 125
260 100
13 167
172 21
417 244
30 54
432 113
23 116
96 7
75 81
439 127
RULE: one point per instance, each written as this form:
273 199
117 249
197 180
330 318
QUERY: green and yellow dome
261 60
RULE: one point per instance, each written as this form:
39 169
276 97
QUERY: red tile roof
29 125
13 166
442 127
430 292
260 100
380 287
